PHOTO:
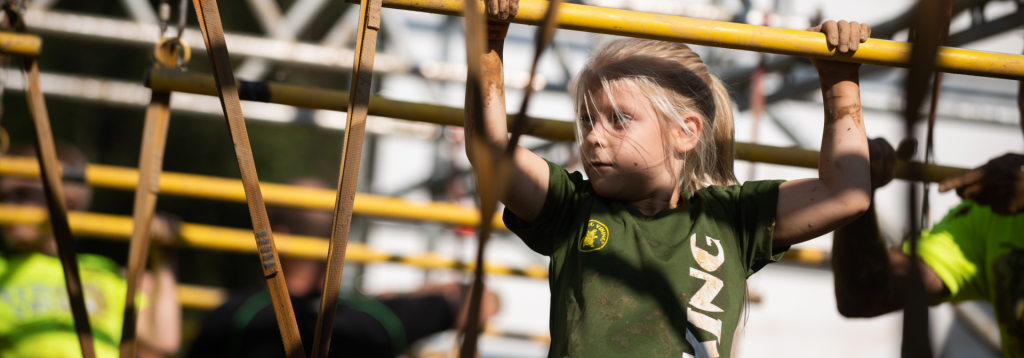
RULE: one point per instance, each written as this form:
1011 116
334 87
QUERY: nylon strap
355 128
484 160
213 37
929 25
151 155
49 171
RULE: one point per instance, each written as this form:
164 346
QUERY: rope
355 128
933 107
213 36
154 140
929 26
52 187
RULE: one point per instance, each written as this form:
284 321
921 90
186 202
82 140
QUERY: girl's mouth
600 165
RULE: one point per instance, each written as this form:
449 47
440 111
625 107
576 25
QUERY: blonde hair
677 82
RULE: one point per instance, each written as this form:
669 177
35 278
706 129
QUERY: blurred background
97 52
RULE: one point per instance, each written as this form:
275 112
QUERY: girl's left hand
844 37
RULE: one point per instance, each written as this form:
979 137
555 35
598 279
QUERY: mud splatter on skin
833 115
493 75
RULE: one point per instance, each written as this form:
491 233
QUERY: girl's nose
595 135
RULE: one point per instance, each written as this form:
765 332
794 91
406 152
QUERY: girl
649 257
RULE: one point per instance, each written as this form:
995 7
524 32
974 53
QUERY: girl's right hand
503 9
844 37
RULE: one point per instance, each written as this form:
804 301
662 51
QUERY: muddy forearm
845 168
493 81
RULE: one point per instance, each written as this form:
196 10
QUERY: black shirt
245 326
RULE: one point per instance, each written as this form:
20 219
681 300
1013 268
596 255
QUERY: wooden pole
53 189
355 128
213 36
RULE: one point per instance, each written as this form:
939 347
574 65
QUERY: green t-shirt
979 255
35 315
669 285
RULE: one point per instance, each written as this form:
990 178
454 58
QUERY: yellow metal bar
223 189
318 98
216 238
201 297
20 44
737 36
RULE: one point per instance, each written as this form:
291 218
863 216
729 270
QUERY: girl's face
624 151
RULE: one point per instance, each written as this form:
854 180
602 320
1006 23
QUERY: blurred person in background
976 252
386 326
35 315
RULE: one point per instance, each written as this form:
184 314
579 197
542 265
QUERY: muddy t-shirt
979 255
668 285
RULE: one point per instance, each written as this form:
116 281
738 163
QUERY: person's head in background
25 238
304 276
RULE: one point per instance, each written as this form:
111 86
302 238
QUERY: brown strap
929 25
213 36
358 104
50 172
545 33
154 140
54 192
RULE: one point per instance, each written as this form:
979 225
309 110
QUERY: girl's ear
685 142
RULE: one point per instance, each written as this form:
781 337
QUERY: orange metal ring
167 55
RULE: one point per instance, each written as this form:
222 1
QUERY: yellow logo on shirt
597 237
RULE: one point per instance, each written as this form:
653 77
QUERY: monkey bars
737 36
19 44
224 189
319 98
218 238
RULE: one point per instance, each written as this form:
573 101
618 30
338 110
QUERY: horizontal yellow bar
216 238
19 44
224 189
737 36
317 98
171 80
201 297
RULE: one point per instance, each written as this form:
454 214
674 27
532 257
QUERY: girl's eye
622 119
587 121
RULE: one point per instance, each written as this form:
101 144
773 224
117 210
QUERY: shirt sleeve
953 250
751 209
555 220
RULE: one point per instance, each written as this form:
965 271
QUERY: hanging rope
50 171
929 25
213 36
168 53
933 107
355 128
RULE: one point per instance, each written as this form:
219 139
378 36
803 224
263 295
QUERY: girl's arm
809 208
159 323
528 185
